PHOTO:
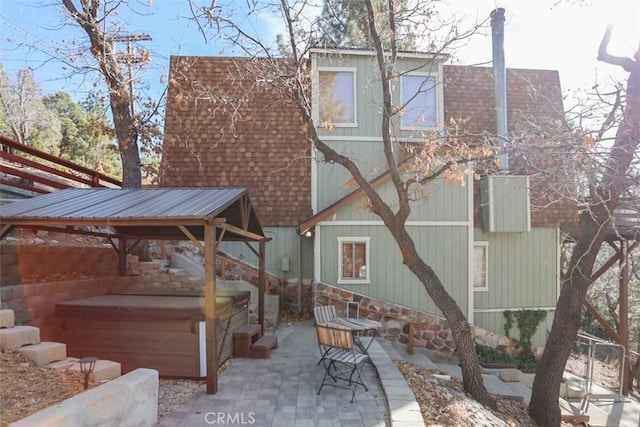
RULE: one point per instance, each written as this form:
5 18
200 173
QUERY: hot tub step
261 349
44 353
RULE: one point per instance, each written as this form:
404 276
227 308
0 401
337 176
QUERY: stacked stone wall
398 322
33 293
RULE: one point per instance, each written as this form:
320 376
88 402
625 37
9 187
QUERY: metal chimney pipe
499 83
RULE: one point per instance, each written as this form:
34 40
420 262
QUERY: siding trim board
409 223
470 241
499 310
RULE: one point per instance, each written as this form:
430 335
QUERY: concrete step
44 353
7 318
66 363
105 370
18 336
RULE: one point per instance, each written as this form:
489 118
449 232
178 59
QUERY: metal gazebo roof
164 213
208 215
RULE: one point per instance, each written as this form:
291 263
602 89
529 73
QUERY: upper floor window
337 97
353 260
419 100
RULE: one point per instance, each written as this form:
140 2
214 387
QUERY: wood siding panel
390 278
444 202
285 243
495 322
522 269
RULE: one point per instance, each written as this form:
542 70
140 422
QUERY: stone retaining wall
429 331
130 400
33 295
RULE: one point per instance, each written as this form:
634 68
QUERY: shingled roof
223 130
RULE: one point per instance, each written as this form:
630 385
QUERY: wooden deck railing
35 170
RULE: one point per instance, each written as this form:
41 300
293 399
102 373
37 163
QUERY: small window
337 98
480 263
419 100
353 260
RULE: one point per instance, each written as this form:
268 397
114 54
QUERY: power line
130 58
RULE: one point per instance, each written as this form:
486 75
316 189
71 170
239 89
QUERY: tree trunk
460 329
606 190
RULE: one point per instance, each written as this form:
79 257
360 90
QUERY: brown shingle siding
222 129
534 107
205 147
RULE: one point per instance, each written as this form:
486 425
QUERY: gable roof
221 129
142 213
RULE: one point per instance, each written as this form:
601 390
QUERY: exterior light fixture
308 233
87 365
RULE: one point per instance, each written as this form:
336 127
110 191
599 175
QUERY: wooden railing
30 169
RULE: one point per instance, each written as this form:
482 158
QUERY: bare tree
606 184
24 111
98 18
437 157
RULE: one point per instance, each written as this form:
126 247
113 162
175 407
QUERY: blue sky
546 34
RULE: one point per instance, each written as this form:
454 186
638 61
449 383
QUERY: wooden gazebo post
261 283
210 245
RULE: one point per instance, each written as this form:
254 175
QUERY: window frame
355 281
485 247
353 71
436 81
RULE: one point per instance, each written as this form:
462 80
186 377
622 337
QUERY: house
491 242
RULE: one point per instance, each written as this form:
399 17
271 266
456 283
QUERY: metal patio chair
341 361
324 313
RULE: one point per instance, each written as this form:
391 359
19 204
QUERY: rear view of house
490 241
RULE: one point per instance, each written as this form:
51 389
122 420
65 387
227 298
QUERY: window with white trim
337 102
420 102
480 266
353 260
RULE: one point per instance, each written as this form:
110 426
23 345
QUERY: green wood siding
505 203
444 202
440 247
285 243
522 269
495 322
369 93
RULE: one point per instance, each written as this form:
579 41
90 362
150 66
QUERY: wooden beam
241 232
5 230
261 284
610 331
623 310
192 238
122 256
210 307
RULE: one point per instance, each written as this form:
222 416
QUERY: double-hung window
420 102
480 266
353 260
337 99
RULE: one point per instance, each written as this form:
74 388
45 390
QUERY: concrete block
44 353
131 400
7 318
105 370
16 337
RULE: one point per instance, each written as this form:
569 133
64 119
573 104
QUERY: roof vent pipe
500 84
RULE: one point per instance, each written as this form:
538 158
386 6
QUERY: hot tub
164 331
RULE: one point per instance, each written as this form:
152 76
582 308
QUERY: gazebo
127 216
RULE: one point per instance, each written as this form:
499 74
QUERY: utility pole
130 58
